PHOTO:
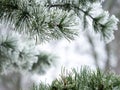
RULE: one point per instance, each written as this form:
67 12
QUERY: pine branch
18 52
38 21
35 20
44 60
102 28
86 13
83 79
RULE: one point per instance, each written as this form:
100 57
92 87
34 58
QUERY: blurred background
87 50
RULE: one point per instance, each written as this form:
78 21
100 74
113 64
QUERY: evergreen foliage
19 52
44 20
85 79
53 19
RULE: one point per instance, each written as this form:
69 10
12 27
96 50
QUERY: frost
103 22
111 25
114 21
16 52
96 9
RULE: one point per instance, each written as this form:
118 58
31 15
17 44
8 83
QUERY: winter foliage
52 19
26 22
84 79
45 20
18 52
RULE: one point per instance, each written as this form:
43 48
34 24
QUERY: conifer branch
86 13
98 24
35 18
